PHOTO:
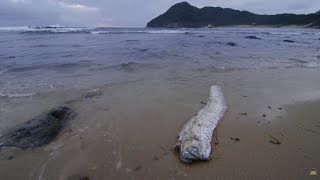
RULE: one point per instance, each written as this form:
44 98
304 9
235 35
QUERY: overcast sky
126 13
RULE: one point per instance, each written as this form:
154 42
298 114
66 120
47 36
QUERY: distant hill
183 15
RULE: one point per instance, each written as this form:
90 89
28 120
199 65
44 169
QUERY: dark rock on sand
200 36
39 131
252 37
231 44
77 177
10 157
289 41
84 178
264 115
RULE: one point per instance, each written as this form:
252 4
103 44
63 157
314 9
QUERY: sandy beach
127 131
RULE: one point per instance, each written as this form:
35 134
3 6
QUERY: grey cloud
43 12
128 13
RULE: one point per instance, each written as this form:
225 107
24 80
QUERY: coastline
185 15
271 26
134 89
246 26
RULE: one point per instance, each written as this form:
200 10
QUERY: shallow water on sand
126 126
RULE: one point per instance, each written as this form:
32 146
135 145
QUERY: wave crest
13 95
77 30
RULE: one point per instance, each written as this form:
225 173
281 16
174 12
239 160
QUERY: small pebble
78 177
235 139
154 157
84 178
264 115
137 168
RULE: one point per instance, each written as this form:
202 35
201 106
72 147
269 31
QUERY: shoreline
134 91
113 142
244 26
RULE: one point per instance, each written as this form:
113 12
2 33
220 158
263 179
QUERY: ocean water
40 60
134 89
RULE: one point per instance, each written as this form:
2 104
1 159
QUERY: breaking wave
138 32
82 30
12 95
54 66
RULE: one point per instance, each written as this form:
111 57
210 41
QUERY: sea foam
13 95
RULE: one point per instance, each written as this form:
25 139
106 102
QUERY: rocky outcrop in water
231 44
252 37
39 131
184 15
289 41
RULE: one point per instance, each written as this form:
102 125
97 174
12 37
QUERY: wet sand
128 129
